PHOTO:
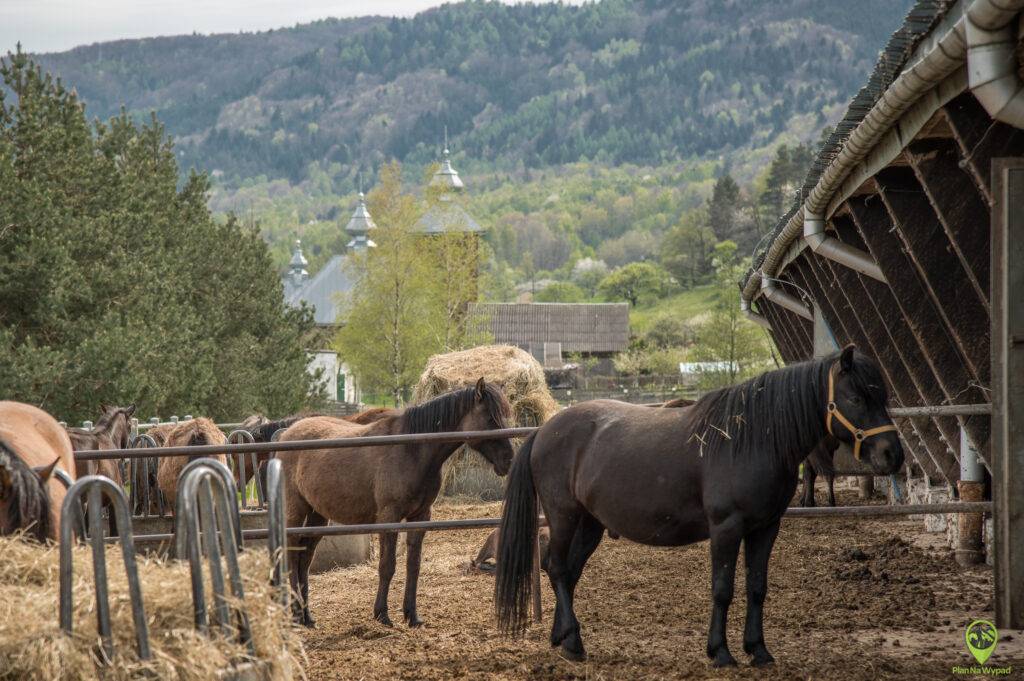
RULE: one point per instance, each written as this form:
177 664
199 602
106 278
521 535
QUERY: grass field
685 305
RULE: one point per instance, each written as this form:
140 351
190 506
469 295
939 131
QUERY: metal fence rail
794 513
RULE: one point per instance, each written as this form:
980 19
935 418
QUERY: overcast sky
57 25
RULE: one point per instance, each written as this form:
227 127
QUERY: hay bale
521 378
33 647
341 551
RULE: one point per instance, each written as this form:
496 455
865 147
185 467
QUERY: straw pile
520 377
33 647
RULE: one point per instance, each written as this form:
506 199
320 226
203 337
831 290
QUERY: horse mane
779 413
29 504
444 412
265 431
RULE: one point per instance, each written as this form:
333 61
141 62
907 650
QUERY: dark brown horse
820 463
113 430
723 469
383 484
32 445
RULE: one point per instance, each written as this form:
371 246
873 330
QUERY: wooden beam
957 205
1008 389
927 330
964 313
980 139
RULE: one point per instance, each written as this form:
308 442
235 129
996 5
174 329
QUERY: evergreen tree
116 286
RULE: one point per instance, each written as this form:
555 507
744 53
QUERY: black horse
820 462
723 469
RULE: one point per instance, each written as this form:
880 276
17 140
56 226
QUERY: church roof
360 225
447 216
323 291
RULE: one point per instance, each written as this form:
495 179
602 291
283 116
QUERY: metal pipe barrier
144 491
794 513
277 538
97 487
214 514
238 463
228 482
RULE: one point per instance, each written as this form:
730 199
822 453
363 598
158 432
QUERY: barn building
551 331
907 239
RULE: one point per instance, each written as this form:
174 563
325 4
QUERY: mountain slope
641 81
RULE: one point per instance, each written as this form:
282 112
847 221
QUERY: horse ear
846 358
130 410
45 473
480 389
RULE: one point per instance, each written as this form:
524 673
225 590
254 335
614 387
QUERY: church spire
446 177
297 266
360 223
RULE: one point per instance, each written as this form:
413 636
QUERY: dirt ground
850 600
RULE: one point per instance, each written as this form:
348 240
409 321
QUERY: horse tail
29 508
517 537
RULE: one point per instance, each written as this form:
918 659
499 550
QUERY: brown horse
32 444
820 463
200 431
113 430
723 469
383 484
487 557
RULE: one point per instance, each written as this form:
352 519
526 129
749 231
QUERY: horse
32 445
723 469
383 483
487 558
198 431
820 462
112 431
263 430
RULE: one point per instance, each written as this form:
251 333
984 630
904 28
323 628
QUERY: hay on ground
520 377
33 647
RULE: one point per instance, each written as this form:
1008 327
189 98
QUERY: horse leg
831 480
810 475
385 571
757 548
413 558
309 544
725 547
565 627
297 509
585 540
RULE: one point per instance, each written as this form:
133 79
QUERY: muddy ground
850 600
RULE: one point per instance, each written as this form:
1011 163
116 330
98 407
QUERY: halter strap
859 435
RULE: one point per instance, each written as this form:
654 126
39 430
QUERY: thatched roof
519 375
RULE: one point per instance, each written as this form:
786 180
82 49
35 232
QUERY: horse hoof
572 655
308 622
384 619
415 623
762 660
723 659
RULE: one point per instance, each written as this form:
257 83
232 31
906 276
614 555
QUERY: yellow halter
833 411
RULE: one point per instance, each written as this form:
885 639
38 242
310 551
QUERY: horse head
117 422
856 412
490 411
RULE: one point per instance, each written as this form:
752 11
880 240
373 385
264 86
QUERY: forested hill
640 81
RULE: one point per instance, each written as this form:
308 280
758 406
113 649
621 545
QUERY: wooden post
867 486
1008 388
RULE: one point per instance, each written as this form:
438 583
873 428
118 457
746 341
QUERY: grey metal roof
579 327
323 292
447 216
